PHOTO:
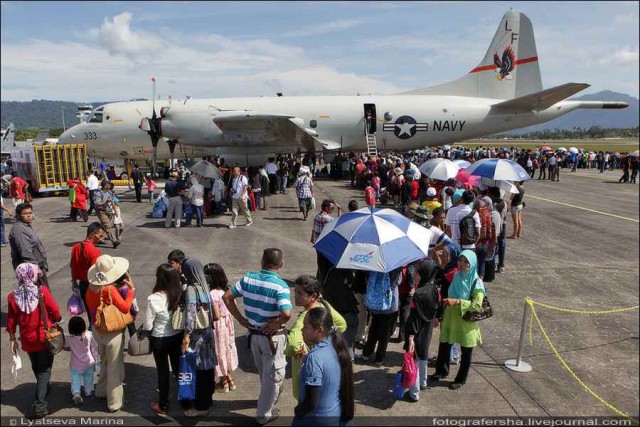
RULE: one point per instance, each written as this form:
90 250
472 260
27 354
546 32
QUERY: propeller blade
153 98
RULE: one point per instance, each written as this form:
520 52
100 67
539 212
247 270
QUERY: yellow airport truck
48 166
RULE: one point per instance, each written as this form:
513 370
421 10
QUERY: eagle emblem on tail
505 65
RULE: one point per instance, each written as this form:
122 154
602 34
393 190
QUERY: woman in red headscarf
78 194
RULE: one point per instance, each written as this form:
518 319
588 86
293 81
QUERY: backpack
487 231
468 234
379 295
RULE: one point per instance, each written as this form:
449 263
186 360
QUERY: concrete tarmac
579 250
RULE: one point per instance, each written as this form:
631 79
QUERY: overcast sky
99 51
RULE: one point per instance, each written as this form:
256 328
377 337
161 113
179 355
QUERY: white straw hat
107 270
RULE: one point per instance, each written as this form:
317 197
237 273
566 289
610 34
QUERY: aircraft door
370 118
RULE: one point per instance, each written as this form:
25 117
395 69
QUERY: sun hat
107 270
173 174
431 192
422 213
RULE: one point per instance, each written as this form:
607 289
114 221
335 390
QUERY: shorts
305 204
516 209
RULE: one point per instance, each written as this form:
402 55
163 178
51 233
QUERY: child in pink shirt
370 195
151 185
84 358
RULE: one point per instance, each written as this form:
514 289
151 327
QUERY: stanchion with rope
519 366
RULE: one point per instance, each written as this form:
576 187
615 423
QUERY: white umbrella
635 153
416 172
499 169
439 168
506 186
206 169
462 163
373 239
573 150
562 149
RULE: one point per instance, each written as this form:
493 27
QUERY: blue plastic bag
398 389
187 376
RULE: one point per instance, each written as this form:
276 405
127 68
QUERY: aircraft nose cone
70 135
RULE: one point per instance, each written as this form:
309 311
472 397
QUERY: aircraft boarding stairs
372 145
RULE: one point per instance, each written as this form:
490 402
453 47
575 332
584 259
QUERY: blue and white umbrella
462 163
499 170
374 240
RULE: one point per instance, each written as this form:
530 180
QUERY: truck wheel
124 176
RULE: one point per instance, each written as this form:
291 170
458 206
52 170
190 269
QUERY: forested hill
42 114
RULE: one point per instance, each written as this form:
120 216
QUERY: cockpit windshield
96 117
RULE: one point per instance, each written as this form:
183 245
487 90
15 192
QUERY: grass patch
624 145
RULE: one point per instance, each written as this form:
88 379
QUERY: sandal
223 385
232 384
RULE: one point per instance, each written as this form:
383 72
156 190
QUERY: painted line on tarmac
584 209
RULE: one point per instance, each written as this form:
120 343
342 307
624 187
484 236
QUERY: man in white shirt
92 185
239 186
455 215
272 172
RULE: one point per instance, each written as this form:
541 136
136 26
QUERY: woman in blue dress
326 391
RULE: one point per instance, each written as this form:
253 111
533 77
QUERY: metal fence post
517 364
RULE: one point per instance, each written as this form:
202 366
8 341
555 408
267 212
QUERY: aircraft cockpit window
96 117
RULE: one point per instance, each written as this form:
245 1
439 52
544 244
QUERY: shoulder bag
139 343
484 313
109 318
203 317
54 335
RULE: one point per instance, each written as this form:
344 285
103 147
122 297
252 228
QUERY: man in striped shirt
267 305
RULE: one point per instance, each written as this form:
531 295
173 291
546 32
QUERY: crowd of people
340 322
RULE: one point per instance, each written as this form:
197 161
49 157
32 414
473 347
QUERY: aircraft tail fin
508 70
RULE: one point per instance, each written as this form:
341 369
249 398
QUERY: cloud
325 27
625 57
627 18
117 37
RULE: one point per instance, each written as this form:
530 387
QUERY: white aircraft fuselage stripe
583 208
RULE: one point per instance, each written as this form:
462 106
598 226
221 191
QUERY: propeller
152 127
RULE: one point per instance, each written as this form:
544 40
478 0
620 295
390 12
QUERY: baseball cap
431 192
457 195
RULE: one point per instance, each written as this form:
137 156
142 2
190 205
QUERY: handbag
203 317
54 335
139 343
486 311
409 370
109 318
187 376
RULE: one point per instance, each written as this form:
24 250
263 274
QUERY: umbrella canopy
206 169
499 169
562 149
546 148
507 186
373 239
573 150
635 153
439 168
462 163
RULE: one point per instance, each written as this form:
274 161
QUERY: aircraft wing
276 130
542 100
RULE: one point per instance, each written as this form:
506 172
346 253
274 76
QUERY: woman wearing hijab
200 341
24 313
107 273
454 329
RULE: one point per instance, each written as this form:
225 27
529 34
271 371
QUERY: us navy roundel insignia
404 127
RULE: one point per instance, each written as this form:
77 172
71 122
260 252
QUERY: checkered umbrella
374 240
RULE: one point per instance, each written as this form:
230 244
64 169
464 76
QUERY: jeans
79 378
501 249
379 331
421 379
41 363
91 205
150 195
2 237
197 212
481 254
283 184
166 350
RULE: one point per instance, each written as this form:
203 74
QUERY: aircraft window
96 118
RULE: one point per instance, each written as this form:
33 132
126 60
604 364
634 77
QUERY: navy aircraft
502 93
